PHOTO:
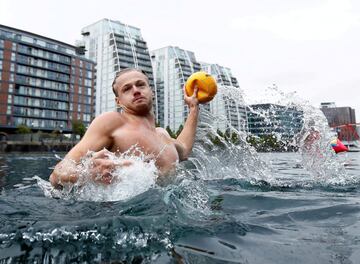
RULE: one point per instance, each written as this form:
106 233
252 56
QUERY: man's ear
117 101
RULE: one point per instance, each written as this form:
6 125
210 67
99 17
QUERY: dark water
214 221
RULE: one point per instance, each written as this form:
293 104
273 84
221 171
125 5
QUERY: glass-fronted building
268 119
229 101
45 84
172 66
114 46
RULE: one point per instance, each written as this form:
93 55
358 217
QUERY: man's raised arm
185 140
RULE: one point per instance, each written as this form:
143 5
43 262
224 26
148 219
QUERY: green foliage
23 129
171 133
221 138
266 143
78 128
181 127
55 133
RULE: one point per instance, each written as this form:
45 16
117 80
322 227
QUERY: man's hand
192 100
102 167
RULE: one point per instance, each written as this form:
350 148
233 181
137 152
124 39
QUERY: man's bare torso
152 142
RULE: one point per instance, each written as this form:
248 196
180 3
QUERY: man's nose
136 89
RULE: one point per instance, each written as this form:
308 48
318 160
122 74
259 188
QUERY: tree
23 129
181 127
170 132
78 128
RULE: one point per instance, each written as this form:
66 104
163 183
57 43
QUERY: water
226 204
229 220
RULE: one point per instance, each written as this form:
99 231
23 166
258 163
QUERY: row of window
51 85
81 99
88 74
37 102
36 92
44 103
88 65
53 65
43 54
36 41
42 73
42 83
17 110
43 63
39 123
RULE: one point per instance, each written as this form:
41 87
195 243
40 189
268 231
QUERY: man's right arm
96 138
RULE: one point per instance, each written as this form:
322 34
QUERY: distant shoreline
34 146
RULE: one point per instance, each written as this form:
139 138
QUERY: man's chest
150 143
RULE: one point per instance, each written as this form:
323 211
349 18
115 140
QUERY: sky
311 47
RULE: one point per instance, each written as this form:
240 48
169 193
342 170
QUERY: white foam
127 181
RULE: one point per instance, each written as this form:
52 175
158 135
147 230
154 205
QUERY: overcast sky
308 46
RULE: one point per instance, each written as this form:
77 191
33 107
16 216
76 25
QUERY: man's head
123 71
132 91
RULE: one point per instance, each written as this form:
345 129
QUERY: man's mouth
138 98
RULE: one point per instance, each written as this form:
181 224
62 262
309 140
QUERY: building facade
45 84
114 46
172 66
337 116
229 101
342 120
270 119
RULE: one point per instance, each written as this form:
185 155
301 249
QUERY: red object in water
339 147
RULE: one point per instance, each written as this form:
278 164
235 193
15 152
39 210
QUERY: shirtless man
119 131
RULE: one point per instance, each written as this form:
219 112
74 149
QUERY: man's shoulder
109 116
108 120
162 131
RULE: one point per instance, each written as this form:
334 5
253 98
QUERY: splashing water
217 157
127 181
313 140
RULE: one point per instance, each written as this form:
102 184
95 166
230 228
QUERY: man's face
134 92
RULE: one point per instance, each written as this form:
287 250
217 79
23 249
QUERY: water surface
294 218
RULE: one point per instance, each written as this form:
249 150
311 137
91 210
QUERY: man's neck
146 120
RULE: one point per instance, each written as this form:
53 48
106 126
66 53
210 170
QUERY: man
135 125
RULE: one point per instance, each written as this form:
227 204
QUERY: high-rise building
337 116
172 66
45 84
228 102
114 46
267 119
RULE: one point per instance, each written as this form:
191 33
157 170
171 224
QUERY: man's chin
142 109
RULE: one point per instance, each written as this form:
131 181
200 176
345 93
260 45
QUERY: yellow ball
207 87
